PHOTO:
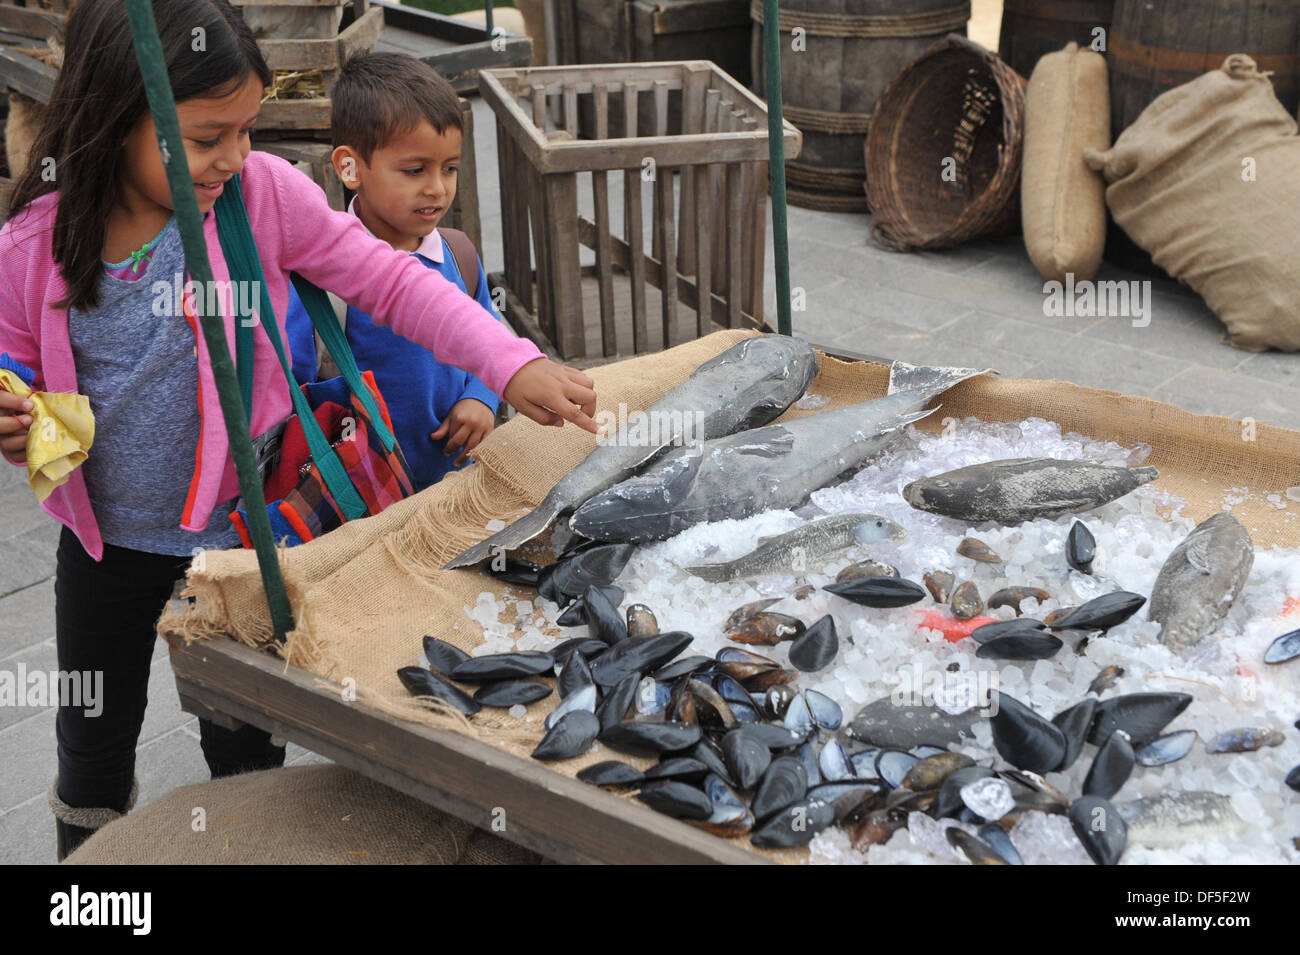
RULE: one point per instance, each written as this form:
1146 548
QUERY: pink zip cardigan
295 230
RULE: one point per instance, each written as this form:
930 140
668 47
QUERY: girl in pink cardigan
90 265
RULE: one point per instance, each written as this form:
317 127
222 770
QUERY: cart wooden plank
562 818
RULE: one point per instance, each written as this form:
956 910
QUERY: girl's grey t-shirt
136 361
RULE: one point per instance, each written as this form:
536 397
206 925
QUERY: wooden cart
456 49
563 819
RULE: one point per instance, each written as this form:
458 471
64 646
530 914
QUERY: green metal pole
776 162
487 14
148 50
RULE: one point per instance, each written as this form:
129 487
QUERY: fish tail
713 573
509 537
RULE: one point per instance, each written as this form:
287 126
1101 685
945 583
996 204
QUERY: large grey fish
803 548
1173 818
747 385
1200 579
743 474
1021 489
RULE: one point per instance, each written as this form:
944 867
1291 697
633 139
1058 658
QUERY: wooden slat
25 21
755 226
713 109
363 34
633 230
295 114
736 236
697 16
514 218
467 218
570 98
600 197
539 107
433 24
694 83
562 818
758 248
550 310
520 319
26 75
661 129
684 290
561 196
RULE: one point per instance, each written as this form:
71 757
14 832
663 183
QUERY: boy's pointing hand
552 394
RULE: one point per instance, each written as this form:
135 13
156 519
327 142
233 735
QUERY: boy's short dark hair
380 96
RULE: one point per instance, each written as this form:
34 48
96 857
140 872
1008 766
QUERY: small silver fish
1200 580
1171 819
803 549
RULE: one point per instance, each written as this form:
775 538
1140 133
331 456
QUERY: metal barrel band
868 26
828 121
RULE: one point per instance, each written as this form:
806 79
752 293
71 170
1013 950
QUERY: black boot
73 825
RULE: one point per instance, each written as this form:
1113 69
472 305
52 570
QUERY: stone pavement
981 305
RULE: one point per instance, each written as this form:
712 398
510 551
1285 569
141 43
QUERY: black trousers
105 613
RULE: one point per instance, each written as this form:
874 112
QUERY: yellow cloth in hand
63 428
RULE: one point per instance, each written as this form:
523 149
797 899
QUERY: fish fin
1198 552
908 377
509 537
680 477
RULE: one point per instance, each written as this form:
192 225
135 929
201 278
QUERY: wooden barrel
833 71
1032 28
1155 45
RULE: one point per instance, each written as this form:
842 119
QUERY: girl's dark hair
97 100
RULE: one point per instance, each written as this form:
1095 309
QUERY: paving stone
27 834
21 511
31 760
1272 367
1114 366
28 558
1208 391
27 617
40 658
168 762
164 713
1031 343
1167 336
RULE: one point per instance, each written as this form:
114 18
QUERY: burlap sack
364 595
304 815
1205 180
1062 201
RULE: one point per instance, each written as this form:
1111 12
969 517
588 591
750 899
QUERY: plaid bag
335 459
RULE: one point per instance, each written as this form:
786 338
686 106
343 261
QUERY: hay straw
295 84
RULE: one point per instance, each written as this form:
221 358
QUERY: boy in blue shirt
397 131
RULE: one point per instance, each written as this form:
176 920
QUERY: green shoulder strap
237 245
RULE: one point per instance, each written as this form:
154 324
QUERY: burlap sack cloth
1062 201
303 815
1206 181
364 595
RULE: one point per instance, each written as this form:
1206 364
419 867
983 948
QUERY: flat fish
777 466
803 549
1200 580
1022 489
746 386
1171 819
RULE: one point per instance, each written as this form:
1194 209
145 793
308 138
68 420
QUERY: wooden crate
31 19
710 259
313 158
456 49
361 27
653 31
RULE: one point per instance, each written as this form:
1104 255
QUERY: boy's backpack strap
462 250
326 366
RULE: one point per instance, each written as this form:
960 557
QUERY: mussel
866 568
618 700
1284 648
766 628
975 849
1080 548
966 601
442 656
817 646
977 550
650 739
833 763
571 736
520 573
1013 597
637 655
583 698
1074 724
573 674
1165 749
1023 738
730 816
939 583
641 621
1100 828
746 757
784 783
604 622
1102 613
1141 715
511 692
503 666
676 799
421 682
879 591
795 825
611 774
1110 768
1025 645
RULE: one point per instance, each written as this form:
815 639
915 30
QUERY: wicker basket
943 154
